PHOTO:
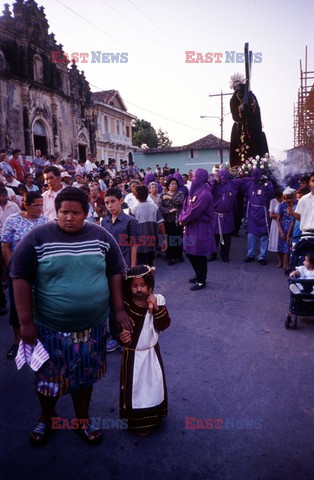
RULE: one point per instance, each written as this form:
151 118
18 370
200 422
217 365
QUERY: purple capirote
198 214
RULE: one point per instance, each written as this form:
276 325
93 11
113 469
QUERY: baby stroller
301 304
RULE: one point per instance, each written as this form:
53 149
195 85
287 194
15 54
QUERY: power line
155 24
157 114
107 71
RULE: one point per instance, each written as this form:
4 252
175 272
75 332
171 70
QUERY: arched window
2 62
38 68
39 129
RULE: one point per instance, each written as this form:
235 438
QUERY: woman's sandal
90 434
39 434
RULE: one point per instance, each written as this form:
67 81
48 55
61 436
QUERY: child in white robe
143 391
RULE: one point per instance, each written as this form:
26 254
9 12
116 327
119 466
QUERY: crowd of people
64 222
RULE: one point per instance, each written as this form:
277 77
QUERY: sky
158 85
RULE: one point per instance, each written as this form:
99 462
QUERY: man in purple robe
197 217
224 194
259 194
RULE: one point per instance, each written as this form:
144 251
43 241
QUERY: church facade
43 105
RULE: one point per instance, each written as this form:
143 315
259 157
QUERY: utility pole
221 94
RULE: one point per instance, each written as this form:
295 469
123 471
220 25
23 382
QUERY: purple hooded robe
150 177
259 195
225 196
197 214
182 188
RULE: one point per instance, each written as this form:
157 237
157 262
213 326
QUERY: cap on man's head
65 174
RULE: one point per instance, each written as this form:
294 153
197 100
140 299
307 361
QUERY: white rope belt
220 215
265 211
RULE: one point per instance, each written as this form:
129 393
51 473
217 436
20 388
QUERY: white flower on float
262 166
254 166
257 157
250 167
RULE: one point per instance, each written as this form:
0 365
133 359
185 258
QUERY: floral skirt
77 360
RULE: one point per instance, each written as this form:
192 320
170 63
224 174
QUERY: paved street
227 355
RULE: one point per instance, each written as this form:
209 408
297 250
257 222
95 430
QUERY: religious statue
247 137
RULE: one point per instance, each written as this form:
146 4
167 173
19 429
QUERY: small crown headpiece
149 269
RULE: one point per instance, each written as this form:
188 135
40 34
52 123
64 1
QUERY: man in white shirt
89 164
305 209
11 181
53 179
130 198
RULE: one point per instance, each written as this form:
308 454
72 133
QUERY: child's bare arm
295 273
125 337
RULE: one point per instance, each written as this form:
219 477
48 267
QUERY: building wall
182 160
33 87
110 143
52 110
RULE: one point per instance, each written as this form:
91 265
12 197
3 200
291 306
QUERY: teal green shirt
69 273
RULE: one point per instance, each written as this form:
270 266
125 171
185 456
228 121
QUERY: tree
163 139
144 133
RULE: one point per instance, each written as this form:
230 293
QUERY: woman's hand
29 334
123 320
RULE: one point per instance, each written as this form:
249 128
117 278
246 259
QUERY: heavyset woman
67 311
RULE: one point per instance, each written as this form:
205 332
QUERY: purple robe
150 177
259 195
225 196
197 214
182 188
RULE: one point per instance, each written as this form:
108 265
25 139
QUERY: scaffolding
304 113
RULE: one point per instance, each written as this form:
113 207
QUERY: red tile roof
208 142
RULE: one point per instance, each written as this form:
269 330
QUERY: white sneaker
294 289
